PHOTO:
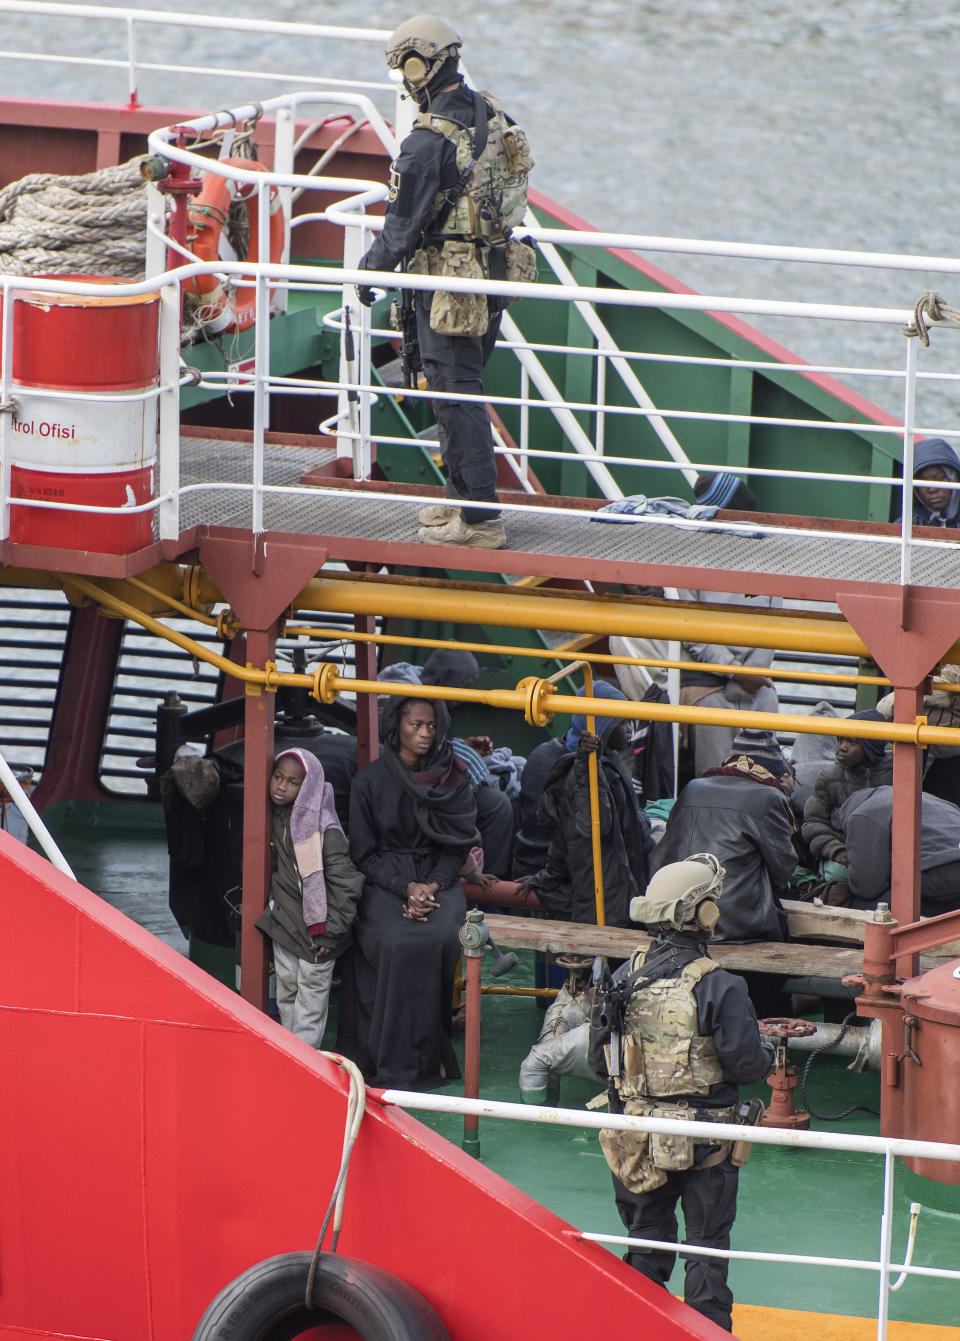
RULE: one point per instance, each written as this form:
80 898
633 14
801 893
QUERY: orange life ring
221 307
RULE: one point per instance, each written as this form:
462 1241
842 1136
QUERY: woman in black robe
412 825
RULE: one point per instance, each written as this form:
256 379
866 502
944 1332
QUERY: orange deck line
753 1322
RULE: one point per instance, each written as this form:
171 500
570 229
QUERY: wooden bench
789 959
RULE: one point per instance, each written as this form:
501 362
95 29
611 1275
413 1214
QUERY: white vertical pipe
601 401
261 356
156 257
524 424
353 409
168 463
909 414
283 166
6 417
131 60
886 1238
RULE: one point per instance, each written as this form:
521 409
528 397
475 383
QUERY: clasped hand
421 901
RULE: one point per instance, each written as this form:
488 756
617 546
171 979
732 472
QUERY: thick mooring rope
91 224
931 307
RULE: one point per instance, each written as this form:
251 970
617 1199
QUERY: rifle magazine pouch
459 313
520 263
628 1155
670 1150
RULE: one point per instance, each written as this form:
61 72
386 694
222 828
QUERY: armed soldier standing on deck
677 1034
457 189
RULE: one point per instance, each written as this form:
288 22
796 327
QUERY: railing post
353 406
909 415
283 166
133 101
261 357
886 1239
168 446
524 424
156 255
601 399
7 410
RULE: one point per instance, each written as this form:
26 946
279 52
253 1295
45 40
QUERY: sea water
818 125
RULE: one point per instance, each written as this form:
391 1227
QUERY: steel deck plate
345 518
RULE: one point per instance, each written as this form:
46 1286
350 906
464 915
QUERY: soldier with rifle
458 188
676 1035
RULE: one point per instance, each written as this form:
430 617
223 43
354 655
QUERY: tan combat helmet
682 896
419 47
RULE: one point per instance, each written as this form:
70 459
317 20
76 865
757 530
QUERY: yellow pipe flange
228 626
325 687
272 678
536 690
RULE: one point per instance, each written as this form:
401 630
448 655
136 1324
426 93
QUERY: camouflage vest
495 197
663 1052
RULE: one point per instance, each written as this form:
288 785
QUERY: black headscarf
438 786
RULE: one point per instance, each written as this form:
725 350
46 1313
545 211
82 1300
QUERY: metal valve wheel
784 1026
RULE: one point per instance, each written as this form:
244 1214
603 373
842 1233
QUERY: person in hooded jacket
936 463
859 763
565 884
314 892
866 819
412 828
740 812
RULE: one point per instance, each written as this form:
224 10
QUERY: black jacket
565 884
746 825
426 164
822 830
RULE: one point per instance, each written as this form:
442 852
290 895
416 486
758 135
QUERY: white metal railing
887 1148
539 395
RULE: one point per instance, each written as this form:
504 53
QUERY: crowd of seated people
372 880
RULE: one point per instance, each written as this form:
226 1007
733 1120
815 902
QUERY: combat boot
472 535
437 514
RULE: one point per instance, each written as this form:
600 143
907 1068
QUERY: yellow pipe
249 674
593 777
531 696
593 786
555 654
506 606
171 602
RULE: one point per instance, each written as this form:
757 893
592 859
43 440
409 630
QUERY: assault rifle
406 322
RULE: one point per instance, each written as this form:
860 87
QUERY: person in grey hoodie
866 818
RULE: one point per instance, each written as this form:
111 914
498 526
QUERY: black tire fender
266 1302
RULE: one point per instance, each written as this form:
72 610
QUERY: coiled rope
931 307
90 224
356 1106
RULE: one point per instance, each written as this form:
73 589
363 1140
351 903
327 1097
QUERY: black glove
365 295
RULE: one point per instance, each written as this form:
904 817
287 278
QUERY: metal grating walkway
551 543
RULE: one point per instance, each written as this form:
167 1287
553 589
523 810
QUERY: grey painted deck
828 559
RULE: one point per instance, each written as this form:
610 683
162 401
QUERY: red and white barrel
84 450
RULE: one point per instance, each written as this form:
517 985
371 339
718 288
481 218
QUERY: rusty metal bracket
910 1022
